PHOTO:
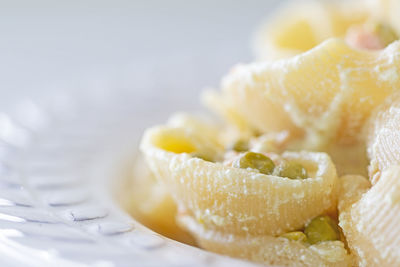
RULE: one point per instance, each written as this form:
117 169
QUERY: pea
295 236
202 156
240 146
291 170
322 228
386 34
256 161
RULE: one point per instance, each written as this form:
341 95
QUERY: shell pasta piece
269 250
370 218
263 185
384 138
387 10
239 201
301 25
327 93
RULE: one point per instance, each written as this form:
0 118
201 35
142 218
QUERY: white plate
59 162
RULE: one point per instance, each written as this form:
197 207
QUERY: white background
164 51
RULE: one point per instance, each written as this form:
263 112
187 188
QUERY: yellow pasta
270 250
322 97
328 92
208 129
370 220
384 138
386 10
301 25
253 188
236 200
159 210
230 210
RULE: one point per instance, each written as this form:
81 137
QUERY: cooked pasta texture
387 10
237 200
159 210
301 25
270 250
370 218
263 185
384 137
326 94
218 203
322 97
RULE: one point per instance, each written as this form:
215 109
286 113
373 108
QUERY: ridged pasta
319 100
384 138
370 218
269 250
208 129
158 212
238 201
326 94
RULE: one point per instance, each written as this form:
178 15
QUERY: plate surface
58 161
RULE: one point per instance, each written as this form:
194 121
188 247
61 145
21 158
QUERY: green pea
295 236
385 33
322 228
291 170
240 146
202 156
256 161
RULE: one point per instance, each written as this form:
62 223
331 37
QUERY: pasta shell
302 25
384 138
371 223
387 10
352 187
326 94
216 103
269 250
203 125
158 212
239 201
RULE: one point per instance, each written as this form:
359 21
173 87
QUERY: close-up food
149 133
301 167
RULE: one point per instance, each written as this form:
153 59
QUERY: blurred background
147 45
164 51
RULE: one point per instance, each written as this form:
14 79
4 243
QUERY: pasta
383 139
159 210
386 10
277 205
246 207
263 185
299 27
315 92
271 250
315 96
370 220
